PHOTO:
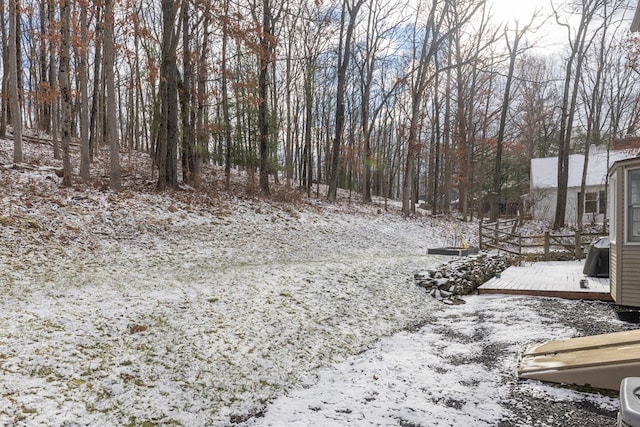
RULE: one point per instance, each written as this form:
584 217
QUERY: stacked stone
461 276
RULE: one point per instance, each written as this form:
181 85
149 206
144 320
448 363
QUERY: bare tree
373 65
53 81
84 95
168 130
224 76
265 57
313 41
188 149
537 122
5 75
201 132
435 33
351 10
573 73
593 93
16 116
111 117
65 90
95 121
468 54
513 48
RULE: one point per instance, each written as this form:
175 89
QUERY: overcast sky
551 37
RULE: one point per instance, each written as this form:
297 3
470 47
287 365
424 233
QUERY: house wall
544 205
614 271
624 257
617 236
629 289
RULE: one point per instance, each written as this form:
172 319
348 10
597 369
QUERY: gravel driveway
458 369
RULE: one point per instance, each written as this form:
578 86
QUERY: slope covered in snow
200 308
189 307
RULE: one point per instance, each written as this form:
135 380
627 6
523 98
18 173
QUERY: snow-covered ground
456 370
202 308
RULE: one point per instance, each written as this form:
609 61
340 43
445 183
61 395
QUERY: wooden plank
587 296
595 356
599 361
605 376
490 245
584 343
551 279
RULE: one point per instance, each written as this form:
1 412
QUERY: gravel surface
536 405
458 368
533 403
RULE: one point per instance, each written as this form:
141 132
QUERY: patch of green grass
44 371
26 410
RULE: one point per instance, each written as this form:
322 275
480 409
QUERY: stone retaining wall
461 276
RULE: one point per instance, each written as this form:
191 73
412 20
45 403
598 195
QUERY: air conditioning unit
629 415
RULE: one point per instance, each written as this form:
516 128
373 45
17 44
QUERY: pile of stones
461 276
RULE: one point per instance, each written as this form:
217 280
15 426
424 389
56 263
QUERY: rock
460 277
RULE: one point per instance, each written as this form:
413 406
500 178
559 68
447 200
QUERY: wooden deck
559 279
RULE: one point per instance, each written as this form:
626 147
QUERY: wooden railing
501 235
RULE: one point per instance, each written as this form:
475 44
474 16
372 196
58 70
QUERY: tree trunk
111 104
226 117
307 160
265 57
188 151
45 115
497 177
16 117
65 91
5 77
343 64
84 96
53 83
413 150
571 84
201 146
436 149
94 119
168 131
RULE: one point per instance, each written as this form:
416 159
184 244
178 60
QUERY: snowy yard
456 370
149 309
123 309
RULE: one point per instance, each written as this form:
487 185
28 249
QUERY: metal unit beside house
624 231
543 192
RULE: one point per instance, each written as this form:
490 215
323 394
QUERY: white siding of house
544 205
544 180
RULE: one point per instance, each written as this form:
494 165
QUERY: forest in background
413 100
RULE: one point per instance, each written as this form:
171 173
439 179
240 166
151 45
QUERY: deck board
550 278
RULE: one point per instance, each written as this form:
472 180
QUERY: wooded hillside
437 100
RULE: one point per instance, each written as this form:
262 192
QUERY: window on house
633 206
591 203
594 202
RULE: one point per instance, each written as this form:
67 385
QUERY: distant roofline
544 170
622 163
627 145
628 142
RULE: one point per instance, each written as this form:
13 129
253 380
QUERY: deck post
495 238
546 245
578 252
480 235
519 244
